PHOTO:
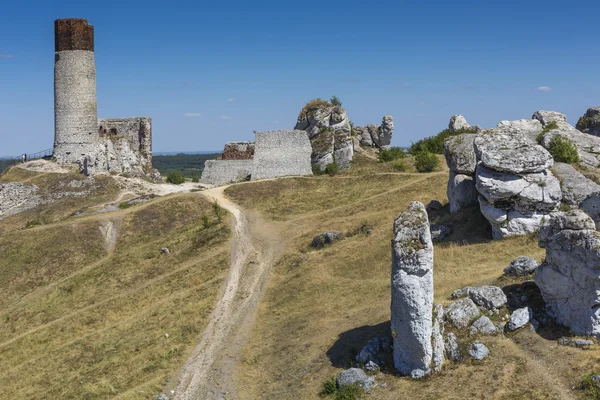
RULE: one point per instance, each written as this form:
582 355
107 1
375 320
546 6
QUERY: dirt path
208 374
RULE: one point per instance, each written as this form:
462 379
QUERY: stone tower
75 111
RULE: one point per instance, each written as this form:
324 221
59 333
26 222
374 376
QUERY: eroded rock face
488 297
576 188
377 136
527 127
462 161
461 191
569 279
457 123
590 121
521 266
329 131
545 117
412 292
461 312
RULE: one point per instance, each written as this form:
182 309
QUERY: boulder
579 343
528 127
373 348
452 349
520 318
478 351
461 192
488 297
329 131
323 239
354 376
521 266
461 312
457 123
365 136
412 291
383 136
576 188
590 122
460 153
483 325
545 117
569 280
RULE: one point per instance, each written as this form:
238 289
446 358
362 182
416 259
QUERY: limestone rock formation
462 161
452 349
569 279
527 127
478 351
437 339
520 318
457 123
521 266
588 146
483 325
461 312
488 297
412 292
329 131
576 188
376 136
545 117
17 194
590 121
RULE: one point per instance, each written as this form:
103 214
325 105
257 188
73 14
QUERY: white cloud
226 118
544 89
231 99
7 56
192 115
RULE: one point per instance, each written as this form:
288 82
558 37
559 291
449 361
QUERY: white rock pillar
412 292
75 111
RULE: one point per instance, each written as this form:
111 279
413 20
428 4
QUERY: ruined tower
75 111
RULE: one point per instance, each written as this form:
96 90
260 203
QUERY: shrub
332 169
435 144
175 178
124 204
591 386
346 392
218 210
329 387
316 170
399 165
563 149
391 154
195 179
551 126
426 162
335 101
205 221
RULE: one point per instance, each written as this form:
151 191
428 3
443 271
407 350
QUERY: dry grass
83 322
322 306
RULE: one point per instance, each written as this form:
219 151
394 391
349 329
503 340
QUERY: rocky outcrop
590 121
412 292
329 131
457 123
17 194
515 185
588 146
569 279
521 266
545 117
527 127
376 136
462 162
576 188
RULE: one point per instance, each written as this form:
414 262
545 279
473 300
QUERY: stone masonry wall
137 131
222 172
238 151
282 153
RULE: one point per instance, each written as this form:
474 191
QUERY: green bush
399 165
124 204
195 179
426 162
329 387
391 154
551 126
175 178
346 392
218 211
335 101
591 387
332 169
435 144
563 149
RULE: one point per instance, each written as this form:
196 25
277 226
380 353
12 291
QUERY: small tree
426 162
563 149
175 178
335 101
391 154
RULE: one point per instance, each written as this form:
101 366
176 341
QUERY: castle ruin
116 145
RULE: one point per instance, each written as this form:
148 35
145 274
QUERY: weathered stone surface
527 127
238 151
579 343
282 153
329 131
461 192
355 376
488 297
510 223
372 350
545 117
521 266
460 153
452 349
588 146
383 138
519 318
223 172
483 325
461 312
514 153
437 339
458 122
528 192
17 194
576 188
569 280
323 239
590 122
478 351
412 291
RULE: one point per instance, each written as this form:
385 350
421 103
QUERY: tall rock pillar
75 111
412 292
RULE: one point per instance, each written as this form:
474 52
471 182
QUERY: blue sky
212 72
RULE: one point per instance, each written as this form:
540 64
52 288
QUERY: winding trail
208 374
